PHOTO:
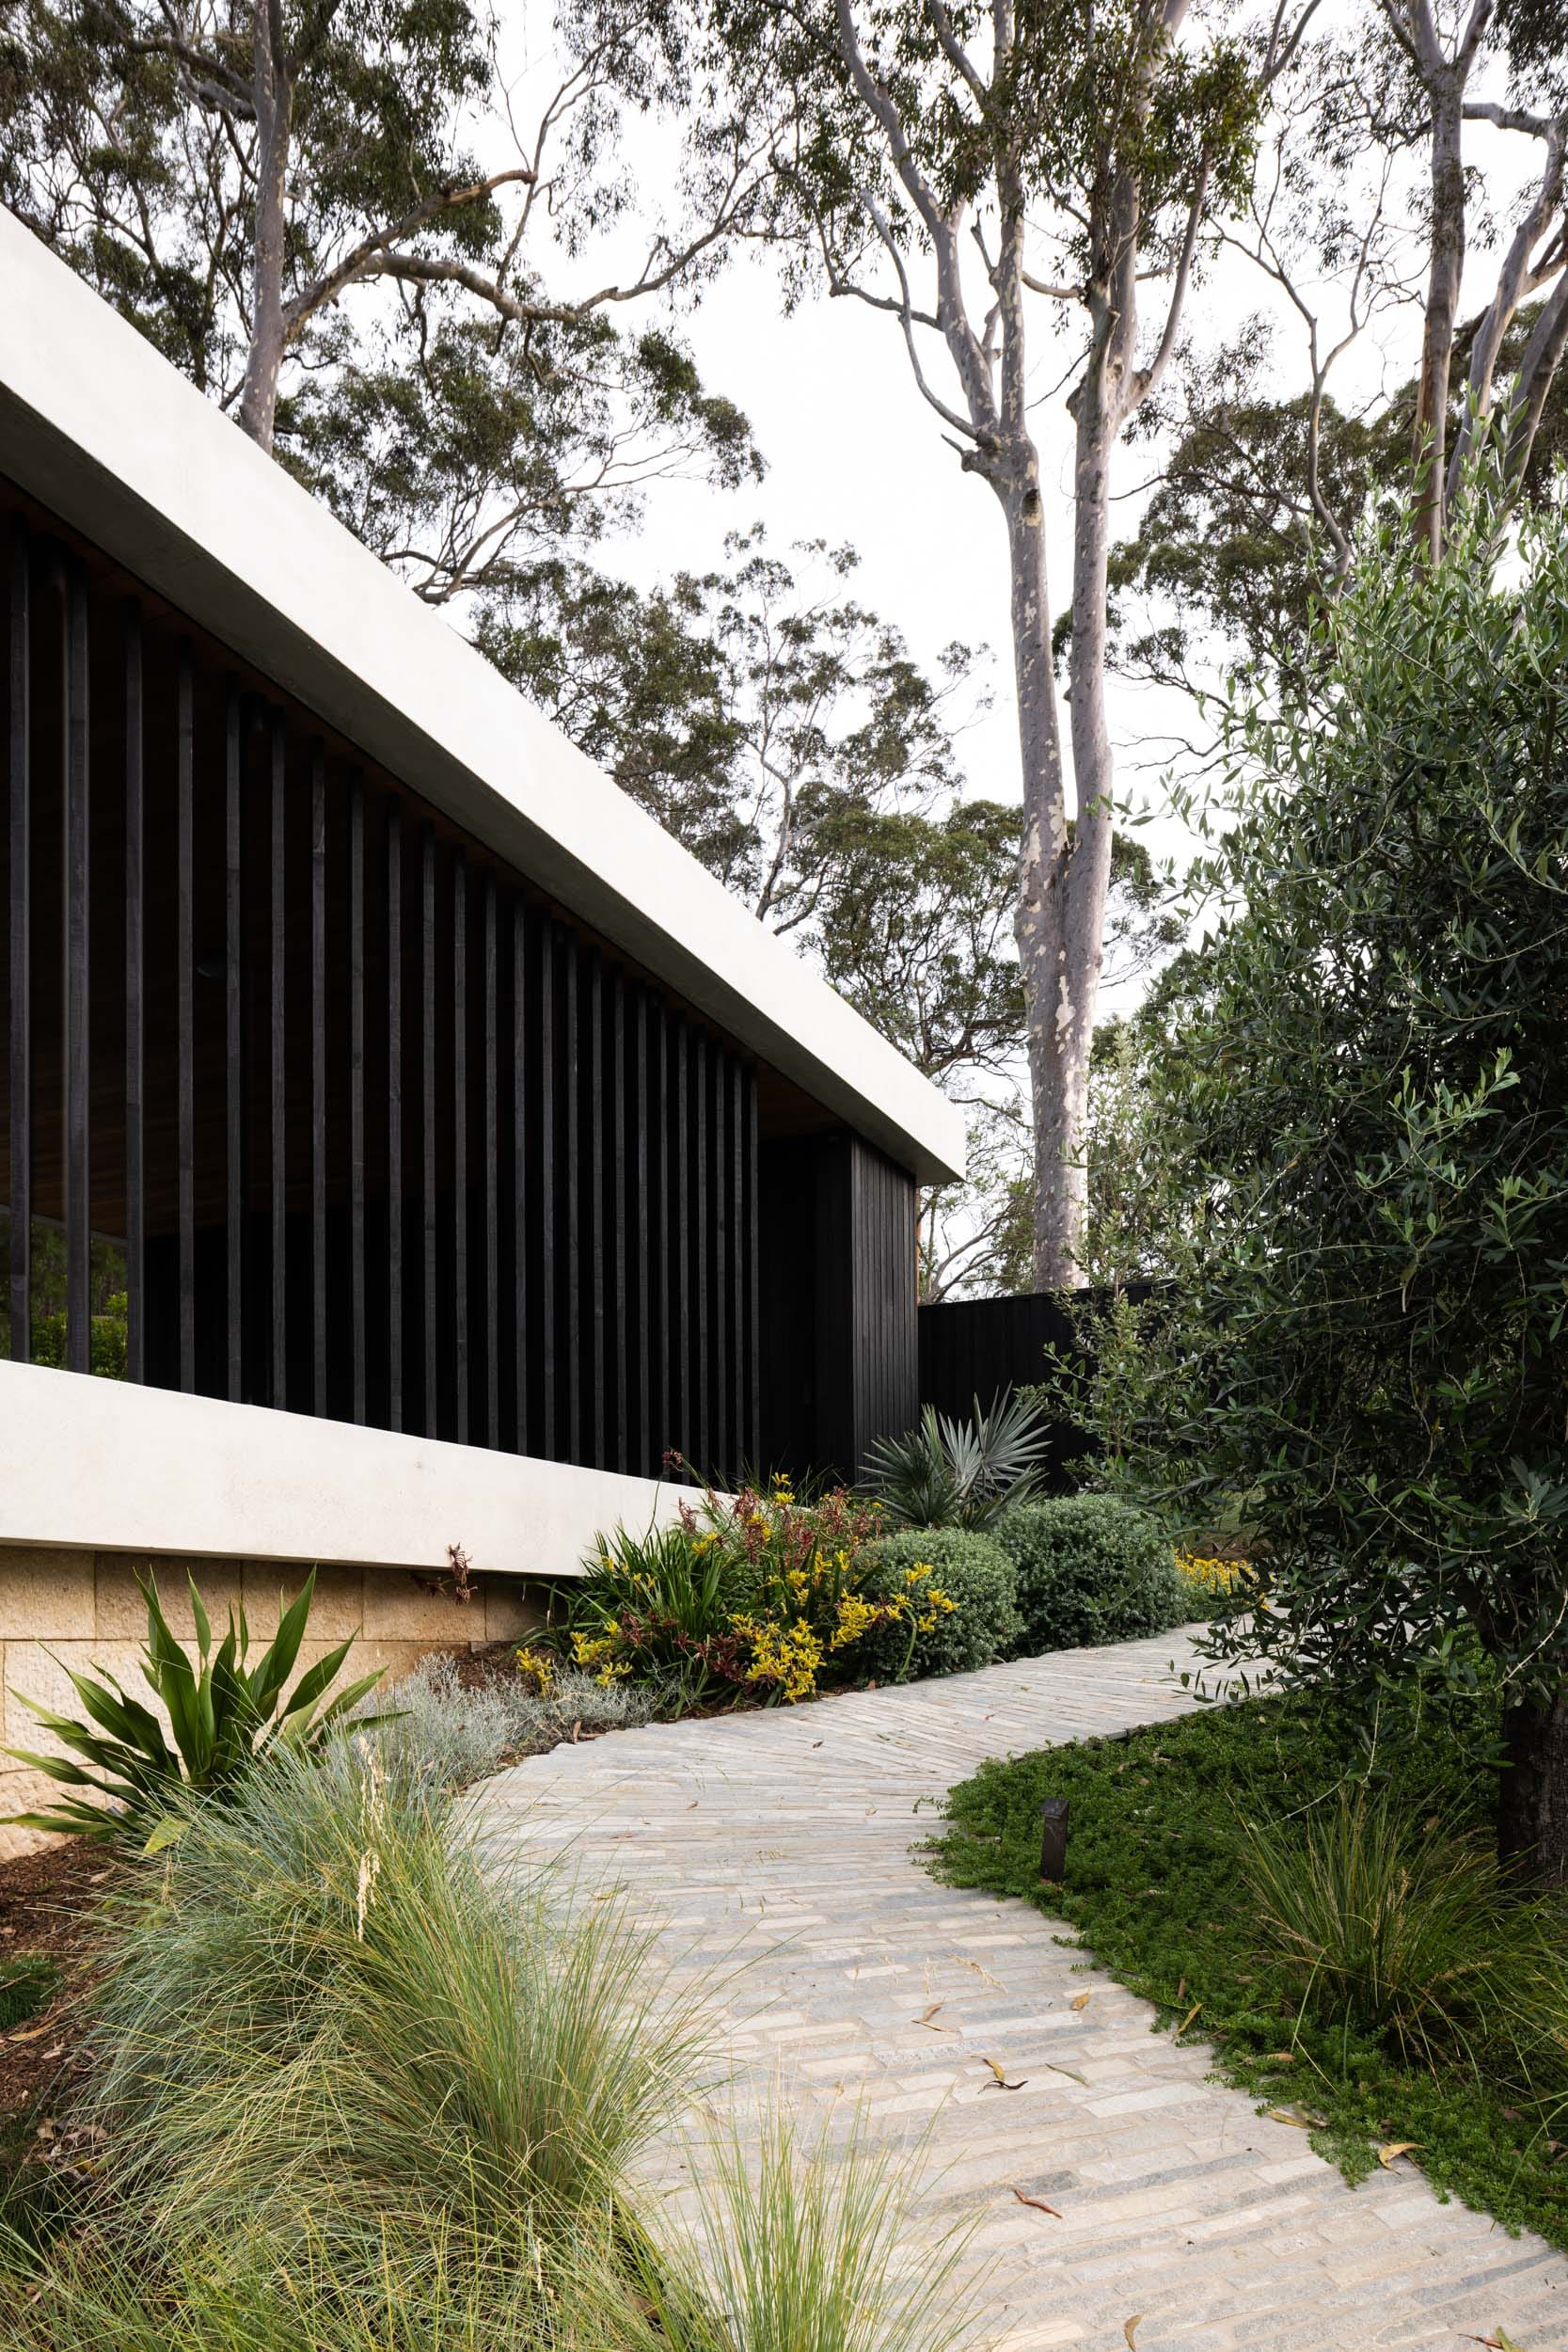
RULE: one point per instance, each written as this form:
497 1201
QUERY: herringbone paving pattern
785 1839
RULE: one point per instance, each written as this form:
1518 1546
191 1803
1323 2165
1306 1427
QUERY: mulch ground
47 1900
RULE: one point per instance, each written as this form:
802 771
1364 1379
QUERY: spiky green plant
961 1473
222 1712
1393 1922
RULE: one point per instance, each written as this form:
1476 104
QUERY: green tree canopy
1363 1096
332 215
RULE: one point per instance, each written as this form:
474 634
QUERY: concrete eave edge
97 425
94 1465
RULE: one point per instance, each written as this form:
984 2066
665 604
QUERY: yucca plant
961 1473
222 1713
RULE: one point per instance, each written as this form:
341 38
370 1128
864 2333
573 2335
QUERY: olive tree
1364 1094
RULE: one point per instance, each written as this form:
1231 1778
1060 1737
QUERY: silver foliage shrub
452 1735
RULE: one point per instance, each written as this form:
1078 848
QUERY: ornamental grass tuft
348 2088
325 1995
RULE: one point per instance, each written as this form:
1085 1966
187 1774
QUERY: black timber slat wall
374 1130
837 1282
974 1348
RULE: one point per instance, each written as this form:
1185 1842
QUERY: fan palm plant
961 1473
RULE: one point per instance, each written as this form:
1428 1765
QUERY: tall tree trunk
273 98
1532 1796
1446 87
1042 924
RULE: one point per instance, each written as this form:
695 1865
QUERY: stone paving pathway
785 1837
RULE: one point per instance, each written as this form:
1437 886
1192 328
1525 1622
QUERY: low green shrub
1090 1569
223 1714
963 1588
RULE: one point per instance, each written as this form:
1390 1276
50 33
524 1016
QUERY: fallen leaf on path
1069 2073
1388 2154
1501 2342
1283 2115
1188 2019
1082 2001
926 2019
1130 2329
1002 2082
1039 2202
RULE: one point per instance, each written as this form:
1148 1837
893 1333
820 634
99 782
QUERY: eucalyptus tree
1442 59
994 180
335 216
1410 196
761 710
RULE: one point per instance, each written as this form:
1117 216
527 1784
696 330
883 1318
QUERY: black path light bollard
1053 1816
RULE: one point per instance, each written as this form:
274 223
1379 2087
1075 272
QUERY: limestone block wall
62 1609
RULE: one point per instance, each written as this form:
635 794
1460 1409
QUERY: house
457 1145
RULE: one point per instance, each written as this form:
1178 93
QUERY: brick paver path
787 1835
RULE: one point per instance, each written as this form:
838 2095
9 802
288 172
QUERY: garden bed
1157 1885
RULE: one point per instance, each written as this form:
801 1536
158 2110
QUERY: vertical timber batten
318 1080
78 1113
277 1065
357 1401
430 1344
492 1174
519 1298
19 910
460 1141
185 967
393 876
233 1039
135 1011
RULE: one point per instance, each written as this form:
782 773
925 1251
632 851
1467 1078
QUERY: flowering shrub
752 1592
1207 1582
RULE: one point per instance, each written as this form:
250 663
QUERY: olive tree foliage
329 215
1021 191
1363 1097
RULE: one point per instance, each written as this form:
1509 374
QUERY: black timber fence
974 1347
